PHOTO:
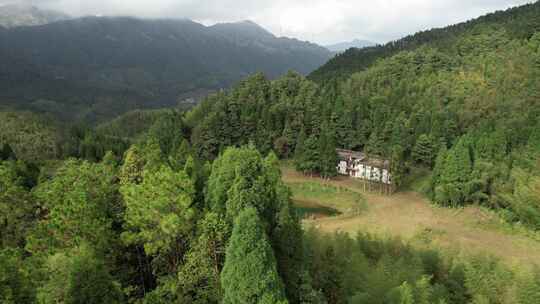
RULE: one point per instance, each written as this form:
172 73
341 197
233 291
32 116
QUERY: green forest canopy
176 207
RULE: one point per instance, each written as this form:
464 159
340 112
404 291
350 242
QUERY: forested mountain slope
519 22
470 111
195 210
97 67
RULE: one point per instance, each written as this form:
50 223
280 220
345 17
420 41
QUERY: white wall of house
362 171
342 167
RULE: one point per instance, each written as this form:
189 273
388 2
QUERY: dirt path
410 215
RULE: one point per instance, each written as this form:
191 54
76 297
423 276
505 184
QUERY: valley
169 152
410 216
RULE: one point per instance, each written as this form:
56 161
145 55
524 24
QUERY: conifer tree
82 203
311 159
6 153
300 150
288 248
15 284
423 150
132 169
406 294
397 166
327 153
180 154
454 180
375 144
199 277
159 213
78 277
249 274
16 208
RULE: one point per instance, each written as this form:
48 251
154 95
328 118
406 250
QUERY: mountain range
343 46
13 15
92 68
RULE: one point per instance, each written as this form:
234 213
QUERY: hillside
98 67
469 112
237 200
13 15
519 22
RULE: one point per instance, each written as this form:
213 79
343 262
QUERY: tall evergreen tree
6 153
423 150
300 151
17 208
15 284
249 274
397 166
132 169
159 214
311 160
79 277
327 153
454 185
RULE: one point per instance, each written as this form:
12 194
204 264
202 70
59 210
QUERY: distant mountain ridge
356 43
520 21
14 15
93 68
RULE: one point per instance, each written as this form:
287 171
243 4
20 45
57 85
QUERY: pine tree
454 180
180 154
300 150
15 284
311 159
132 169
17 208
327 154
375 144
82 203
288 247
397 166
77 277
159 213
6 153
423 150
249 274
406 294
199 277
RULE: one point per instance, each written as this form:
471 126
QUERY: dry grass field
409 215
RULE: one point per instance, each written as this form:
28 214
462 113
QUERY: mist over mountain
103 66
356 43
13 15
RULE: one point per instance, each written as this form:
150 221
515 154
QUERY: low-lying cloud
321 21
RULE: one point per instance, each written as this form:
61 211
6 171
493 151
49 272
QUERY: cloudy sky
321 21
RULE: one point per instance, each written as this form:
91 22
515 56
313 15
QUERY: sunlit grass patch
327 196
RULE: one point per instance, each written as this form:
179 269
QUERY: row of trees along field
167 227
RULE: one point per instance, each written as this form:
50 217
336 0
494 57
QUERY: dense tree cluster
520 22
190 207
158 228
143 231
467 111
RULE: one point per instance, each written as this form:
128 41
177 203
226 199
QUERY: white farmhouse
359 165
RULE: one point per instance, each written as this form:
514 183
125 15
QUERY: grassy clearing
409 215
316 194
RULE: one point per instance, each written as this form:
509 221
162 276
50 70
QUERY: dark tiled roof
363 158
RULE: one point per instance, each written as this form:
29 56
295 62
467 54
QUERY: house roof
346 154
363 158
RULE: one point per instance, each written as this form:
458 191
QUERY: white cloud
322 21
